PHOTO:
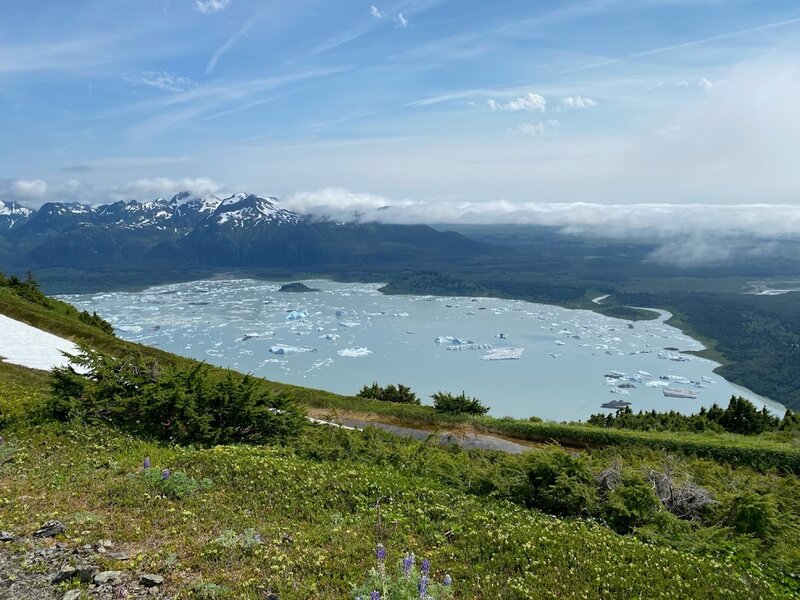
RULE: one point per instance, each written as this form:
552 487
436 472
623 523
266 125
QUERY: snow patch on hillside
21 344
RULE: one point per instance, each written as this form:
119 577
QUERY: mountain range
242 230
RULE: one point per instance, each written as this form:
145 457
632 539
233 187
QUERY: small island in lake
297 287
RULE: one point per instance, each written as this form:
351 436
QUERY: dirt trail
463 437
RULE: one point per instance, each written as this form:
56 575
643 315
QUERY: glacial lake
555 363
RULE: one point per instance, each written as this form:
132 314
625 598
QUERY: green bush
632 503
401 394
553 481
461 404
183 404
754 514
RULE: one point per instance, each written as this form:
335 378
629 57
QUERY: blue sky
476 104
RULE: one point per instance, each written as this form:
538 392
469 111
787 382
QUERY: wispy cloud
127 162
537 129
401 20
240 33
162 80
530 102
176 110
209 7
578 102
683 45
375 12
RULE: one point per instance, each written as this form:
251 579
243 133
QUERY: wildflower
426 566
408 562
423 587
146 464
448 581
376 595
380 553
165 474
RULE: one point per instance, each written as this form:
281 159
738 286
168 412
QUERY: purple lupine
146 464
423 587
408 562
380 552
448 581
165 474
426 566
376 595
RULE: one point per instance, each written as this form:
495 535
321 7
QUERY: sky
570 112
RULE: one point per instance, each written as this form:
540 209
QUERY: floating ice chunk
560 343
329 336
350 324
345 313
297 315
283 349
449 339
503 354
130 328
355 352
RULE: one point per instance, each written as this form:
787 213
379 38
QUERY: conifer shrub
400 393
183 404
446 402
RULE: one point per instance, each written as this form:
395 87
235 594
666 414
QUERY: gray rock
6 536
66 573
49 529
72 595
110 577
150 580
119 555
86 573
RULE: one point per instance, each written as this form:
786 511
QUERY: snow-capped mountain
188 231
182 213
157 214
58 216
247 210
13 214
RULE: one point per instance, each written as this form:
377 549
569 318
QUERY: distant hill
240 231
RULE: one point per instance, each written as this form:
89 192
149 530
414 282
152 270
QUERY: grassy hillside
301 517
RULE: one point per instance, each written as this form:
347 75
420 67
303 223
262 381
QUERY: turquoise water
347 335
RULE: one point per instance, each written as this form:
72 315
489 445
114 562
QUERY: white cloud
654 222
375 12
530 102
29 189
162 80
164 187
578 102
537 128
208 7
402 21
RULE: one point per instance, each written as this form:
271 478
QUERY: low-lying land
300 513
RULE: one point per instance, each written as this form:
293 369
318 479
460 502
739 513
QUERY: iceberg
503 354
283 349
449 339
355 352
297 315
345 313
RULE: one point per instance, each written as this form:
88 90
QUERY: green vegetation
633 514
741 416
446 402
185 404
401 394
